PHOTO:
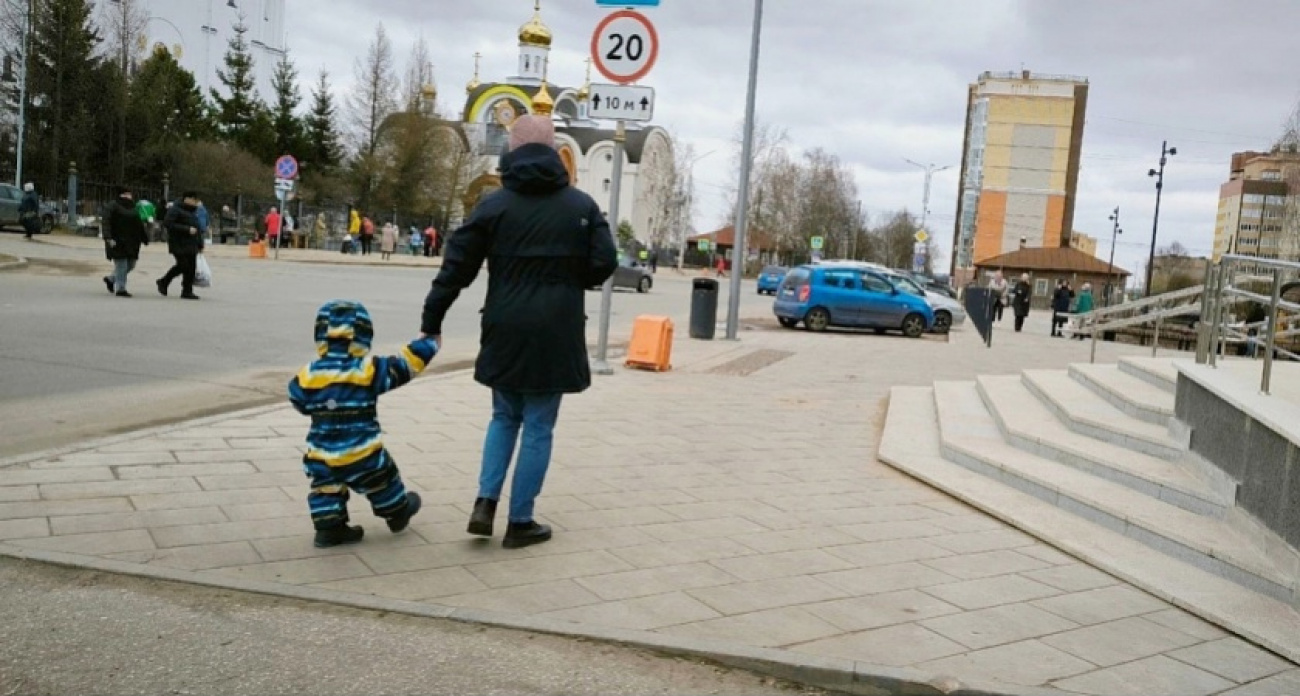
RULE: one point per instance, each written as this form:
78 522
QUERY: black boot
521 534
162 287
399 521
334 536
480 521
108 283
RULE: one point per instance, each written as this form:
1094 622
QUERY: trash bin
704 308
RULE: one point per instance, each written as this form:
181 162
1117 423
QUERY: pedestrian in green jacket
1083 306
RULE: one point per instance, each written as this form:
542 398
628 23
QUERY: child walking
340 391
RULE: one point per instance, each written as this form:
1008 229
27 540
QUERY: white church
585 146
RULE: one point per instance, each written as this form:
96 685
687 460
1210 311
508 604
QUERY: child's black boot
335 536
399 521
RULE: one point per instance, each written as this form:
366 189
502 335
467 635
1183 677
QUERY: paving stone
966 523
634 498
1047 554
879 553
1101 605
79 459
23 477
651 555
163 444
886 531
1119 641
643 613
716 510
783 564
1285 683
540 569
176 501
279 456
976 542
248 512
894 646
769 628
875 611
865 581
18 494
766 594
988 564
1232 658
205 557
421 584
244 482
24 528
301 572
526 599
988 592
572 542
154 471
1075 577
654 581
288 548
114 521
1148 677
111 489
468 552
605 519
196 534
52 508
700 529
97 544
1180 620
796 540
1029 662
1008 623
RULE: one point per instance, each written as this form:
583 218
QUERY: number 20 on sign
625 46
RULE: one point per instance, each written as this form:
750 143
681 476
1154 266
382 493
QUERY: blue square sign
627 3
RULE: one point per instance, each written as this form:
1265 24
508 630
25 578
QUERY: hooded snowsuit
340 391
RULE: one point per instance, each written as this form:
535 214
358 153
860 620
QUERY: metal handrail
1141 312
1216 332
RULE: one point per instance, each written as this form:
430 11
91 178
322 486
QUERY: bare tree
419 73
1288 144
894 240
768 140
373 101
124 23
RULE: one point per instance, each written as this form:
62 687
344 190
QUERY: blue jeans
536 413
121 267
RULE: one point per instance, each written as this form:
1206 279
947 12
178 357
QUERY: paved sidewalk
734 503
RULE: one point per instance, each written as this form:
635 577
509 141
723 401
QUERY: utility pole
22 92
740 248
1114 237
601 364
1165 153
930 171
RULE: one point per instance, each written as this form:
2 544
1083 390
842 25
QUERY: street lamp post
1165 153
930 171
22 92
739 249
1114 237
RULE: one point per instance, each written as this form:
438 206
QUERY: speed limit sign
625 46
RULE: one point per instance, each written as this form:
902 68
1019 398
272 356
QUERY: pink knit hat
532 130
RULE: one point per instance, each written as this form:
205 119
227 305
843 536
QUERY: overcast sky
877 81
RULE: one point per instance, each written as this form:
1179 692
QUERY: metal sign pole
276 242
602 366
740 250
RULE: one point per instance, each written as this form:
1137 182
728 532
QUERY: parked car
852 295
10 197
948 312
769 280
633 276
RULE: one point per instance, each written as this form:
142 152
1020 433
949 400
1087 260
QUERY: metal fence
1253 303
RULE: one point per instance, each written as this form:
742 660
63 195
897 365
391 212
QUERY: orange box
257 250
652 344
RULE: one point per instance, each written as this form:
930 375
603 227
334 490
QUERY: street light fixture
1165 153
1114 237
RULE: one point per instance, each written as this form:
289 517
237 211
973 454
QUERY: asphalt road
76 362
70 631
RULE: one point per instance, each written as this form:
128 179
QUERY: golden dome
429 92
584 92
535 33
474 84
542 101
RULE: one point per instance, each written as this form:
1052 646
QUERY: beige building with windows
1084 242
1020 164
1253 206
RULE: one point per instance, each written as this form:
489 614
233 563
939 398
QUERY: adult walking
124 233
354 222
430 240
999 288
367 234
1021 296
545 243
388 241
272 222
184 243
1083 306
1060 306
29 210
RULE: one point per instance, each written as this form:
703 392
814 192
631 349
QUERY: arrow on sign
622 102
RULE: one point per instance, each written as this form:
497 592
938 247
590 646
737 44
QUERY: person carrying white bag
202 272
185 245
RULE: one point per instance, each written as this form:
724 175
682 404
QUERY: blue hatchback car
769 281
850 295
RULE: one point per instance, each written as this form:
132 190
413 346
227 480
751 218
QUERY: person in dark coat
29 210
545 243
1021 295
184 243
1061 306
124 233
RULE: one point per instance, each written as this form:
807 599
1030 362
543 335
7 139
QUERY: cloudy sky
877 81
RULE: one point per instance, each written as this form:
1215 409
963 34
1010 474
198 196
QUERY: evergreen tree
290 134
65 91
323 142
166 108
241 117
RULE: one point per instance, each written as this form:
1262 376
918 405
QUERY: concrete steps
1092 461
912 442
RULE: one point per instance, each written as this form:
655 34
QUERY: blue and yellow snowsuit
340 392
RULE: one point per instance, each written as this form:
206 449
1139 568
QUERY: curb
837 674
18 262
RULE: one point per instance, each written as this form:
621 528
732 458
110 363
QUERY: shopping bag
202 272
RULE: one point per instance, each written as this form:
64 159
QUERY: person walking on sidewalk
184 243
545 242
1060 306
388 241
430 240
1021 296
29 210
367 235
999 287
345 451
124 233
273 222
1083 306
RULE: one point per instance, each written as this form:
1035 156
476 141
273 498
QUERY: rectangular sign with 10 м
622 102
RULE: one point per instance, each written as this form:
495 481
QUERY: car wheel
643 285
913 325
942 322
818 320
788 323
